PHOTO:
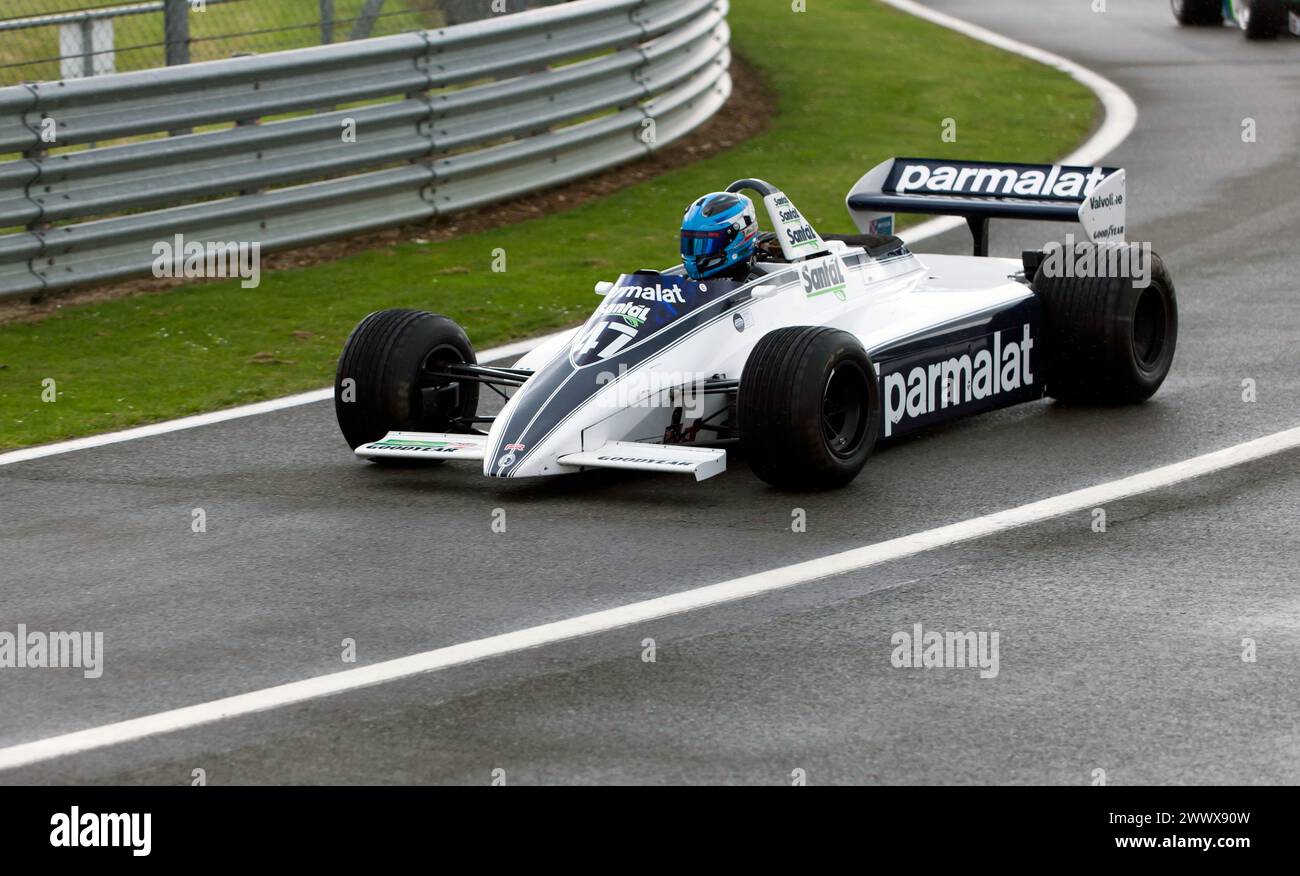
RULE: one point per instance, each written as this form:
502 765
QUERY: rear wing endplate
981 190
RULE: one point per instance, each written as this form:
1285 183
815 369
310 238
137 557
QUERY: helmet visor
706 244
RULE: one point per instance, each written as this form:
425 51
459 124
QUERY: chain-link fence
69 39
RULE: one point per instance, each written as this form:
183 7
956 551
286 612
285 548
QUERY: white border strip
853 560
1121 111
1121 118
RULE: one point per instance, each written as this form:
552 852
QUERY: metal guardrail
456 118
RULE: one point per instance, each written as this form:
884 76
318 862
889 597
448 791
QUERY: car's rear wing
981 190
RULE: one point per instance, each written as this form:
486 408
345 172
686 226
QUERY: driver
719 233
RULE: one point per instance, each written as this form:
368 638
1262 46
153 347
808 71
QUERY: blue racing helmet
718 234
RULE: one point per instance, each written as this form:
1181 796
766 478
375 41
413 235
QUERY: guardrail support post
88 47
326 22
176 31
366 19
37 228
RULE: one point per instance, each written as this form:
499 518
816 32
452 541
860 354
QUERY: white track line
1121 118
1121 111
188 717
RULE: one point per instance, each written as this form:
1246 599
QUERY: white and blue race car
1258 19
830 344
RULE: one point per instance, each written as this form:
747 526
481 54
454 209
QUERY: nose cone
503 456
640 318
538 424
501 462
511 460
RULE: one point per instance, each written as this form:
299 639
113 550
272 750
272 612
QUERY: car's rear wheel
1261 19
809 408
1194 12
388 376
1107 340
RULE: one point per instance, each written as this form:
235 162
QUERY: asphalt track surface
1118 651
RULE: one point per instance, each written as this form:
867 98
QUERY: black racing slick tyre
386 376
1262 19
1107 340
808 408
1193 12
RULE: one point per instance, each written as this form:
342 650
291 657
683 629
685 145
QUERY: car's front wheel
392 376
809 408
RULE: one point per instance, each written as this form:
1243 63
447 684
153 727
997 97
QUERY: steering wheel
768 248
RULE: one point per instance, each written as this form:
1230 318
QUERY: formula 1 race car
832 342
1258 19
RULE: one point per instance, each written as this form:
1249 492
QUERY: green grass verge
855 83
